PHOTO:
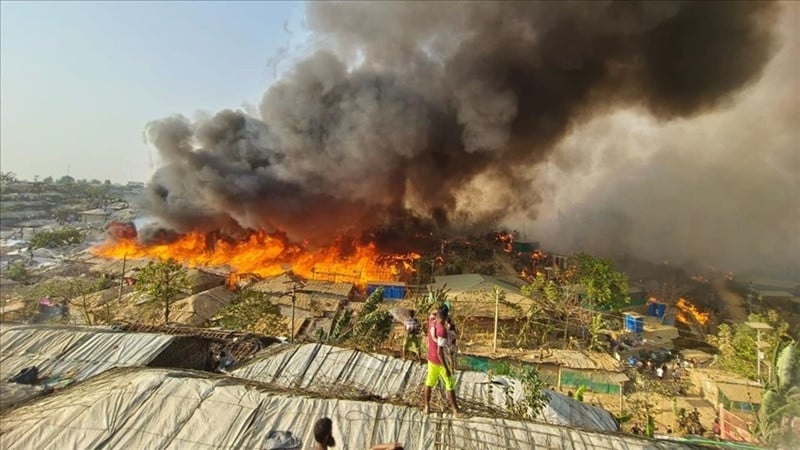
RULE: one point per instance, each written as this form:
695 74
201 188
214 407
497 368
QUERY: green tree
604 286
254 312
595 343
372 324
66 180
48 179
534 398
8 177
17 271
781 399
341 329
432 300
737 344
57 238
162 283
555 306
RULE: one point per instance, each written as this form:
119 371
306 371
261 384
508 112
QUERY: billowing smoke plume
443 109
721 190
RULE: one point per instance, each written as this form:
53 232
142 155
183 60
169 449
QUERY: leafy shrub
57 238
17 271
252 311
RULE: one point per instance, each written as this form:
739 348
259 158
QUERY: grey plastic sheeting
317 367
79 353
161 409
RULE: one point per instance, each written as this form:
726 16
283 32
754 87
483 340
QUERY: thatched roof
114 266
197 309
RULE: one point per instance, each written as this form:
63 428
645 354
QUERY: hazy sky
79 81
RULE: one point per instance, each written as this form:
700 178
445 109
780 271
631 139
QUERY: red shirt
437 337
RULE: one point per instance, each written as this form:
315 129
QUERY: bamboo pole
496 314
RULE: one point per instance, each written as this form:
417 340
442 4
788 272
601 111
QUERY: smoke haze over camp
469 112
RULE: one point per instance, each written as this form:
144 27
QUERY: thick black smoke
428 107
720 191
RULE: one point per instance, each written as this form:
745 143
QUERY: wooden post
291 332
496 314
559 378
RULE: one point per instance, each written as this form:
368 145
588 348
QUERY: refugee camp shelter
727 390
472 295
326 369
599 372
316 302
167 403
67 354
177 409
196 310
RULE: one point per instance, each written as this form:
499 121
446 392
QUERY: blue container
390 292
639 325
634 324
656 309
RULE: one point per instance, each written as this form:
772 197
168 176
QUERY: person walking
438 367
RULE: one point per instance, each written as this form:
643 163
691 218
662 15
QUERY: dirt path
735 305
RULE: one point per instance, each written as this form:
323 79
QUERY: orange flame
507 240
267 255
689 313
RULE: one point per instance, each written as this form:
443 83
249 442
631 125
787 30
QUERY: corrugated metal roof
170 409
323 368
83 352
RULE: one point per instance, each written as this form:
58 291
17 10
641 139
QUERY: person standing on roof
411 342
438 368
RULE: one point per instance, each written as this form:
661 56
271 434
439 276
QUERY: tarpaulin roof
81 351
323 368
178 409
